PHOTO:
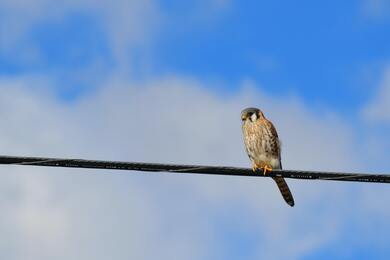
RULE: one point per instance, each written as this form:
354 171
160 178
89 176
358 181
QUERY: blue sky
165 81
329 53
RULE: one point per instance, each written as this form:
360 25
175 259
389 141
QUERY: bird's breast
259 145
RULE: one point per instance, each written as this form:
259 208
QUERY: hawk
263 147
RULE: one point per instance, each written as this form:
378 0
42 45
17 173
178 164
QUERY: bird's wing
274 139
280 181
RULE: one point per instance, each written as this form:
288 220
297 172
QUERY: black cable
194 169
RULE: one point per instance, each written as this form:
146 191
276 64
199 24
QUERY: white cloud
125 23
87 214
127 26
379 108
378 9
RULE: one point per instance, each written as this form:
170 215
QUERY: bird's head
251 114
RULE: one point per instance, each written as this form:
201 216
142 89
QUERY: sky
165 81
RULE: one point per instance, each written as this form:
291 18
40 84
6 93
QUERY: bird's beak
244 117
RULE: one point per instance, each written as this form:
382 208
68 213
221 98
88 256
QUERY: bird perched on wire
263 147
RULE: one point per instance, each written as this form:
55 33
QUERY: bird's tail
286 193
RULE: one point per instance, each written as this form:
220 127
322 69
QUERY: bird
262 145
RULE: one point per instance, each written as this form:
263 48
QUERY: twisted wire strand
191 169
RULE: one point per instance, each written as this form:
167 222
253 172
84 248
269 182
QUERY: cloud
92 214
378 9
378 110
128 28
126 24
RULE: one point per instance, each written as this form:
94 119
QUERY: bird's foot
266 169
263 168
254 168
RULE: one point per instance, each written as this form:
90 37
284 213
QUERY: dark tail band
284 189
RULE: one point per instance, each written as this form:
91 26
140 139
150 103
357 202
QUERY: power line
193 169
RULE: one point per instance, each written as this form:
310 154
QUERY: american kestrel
263 147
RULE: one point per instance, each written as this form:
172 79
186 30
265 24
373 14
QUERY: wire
193 169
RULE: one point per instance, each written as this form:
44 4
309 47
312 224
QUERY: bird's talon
266 168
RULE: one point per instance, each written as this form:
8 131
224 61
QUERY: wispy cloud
127 26
379 107
377 9
125 23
